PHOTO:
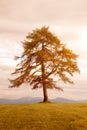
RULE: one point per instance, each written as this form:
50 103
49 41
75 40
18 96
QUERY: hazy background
66 18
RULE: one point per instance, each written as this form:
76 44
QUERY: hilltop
44 116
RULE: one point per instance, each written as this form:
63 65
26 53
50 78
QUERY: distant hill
23 100
26 100
68 100
62 100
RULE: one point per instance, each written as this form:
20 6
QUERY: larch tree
43 58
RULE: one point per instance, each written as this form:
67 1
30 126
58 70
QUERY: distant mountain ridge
23 100
67 100
26 100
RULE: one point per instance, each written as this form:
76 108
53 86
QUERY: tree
44 56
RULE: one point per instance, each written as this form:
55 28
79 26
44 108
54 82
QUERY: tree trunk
43 78
45 93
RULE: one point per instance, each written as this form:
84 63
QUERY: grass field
41 116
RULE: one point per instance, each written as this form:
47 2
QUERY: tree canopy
43 58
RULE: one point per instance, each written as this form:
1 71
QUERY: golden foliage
44 56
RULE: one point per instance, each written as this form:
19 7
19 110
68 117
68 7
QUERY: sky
66 18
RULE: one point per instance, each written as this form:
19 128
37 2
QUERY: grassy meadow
44 116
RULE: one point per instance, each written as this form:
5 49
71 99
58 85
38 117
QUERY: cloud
42 11
8 50
18 17
51 11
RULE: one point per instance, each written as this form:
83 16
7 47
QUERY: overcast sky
66 18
